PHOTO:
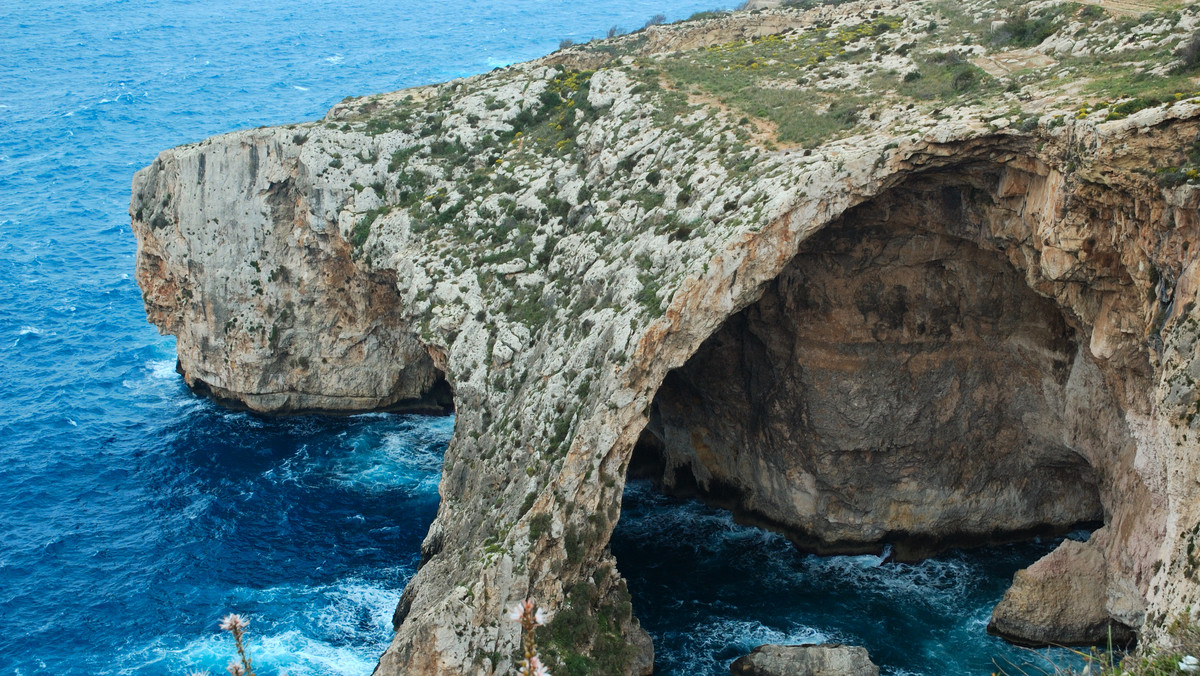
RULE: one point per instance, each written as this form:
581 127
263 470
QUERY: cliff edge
909 273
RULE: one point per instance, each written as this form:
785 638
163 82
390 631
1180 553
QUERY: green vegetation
585 637
552 124
648 296
1025 30
942 75
811 4
1188 171
362 229
538 525
752 77
708 14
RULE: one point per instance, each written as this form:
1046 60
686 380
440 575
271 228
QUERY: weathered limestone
897 383
1060 600
235 258
805 660
977 328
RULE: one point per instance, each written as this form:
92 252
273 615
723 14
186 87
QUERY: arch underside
899 383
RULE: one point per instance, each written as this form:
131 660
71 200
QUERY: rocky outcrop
267 305
805 660
894 322
898 383
1060 600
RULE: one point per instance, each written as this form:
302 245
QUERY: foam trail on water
714 644
330 630
163 369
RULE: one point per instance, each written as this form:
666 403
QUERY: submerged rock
805 660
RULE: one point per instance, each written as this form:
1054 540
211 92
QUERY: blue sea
133 515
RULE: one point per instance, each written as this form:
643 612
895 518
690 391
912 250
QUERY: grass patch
942 76
1154 90
752 78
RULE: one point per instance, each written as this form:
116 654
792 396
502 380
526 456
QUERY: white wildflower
234 621
517 612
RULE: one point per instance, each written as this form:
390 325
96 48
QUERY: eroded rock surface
805 660
978 322
1060 600
897 383
236 258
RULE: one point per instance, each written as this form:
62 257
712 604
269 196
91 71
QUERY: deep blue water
132 514
710 590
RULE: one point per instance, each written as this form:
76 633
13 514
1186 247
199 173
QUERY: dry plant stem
527 640
237 639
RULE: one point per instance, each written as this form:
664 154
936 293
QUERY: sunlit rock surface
832 276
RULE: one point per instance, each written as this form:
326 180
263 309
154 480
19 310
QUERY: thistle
531 617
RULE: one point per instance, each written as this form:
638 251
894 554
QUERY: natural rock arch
898 383
552 399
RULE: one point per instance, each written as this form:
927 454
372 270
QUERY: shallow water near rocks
133 515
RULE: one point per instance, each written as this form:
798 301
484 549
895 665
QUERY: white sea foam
409 457
935 583
331 630
29 330
336 58
162 369
292 650
718 641
298 87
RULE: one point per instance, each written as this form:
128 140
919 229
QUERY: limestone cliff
890 272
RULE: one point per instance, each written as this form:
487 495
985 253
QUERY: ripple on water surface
709 590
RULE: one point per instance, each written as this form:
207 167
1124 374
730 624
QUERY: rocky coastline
962 309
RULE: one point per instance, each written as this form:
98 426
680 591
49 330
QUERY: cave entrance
898 384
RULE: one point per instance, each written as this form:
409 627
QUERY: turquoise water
133 515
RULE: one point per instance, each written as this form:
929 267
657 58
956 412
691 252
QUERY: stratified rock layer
933 326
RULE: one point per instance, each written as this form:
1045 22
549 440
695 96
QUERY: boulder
1060 600
805 660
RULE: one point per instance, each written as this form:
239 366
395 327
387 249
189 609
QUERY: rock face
902 321
897 383
1060 600
805 660
298 327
